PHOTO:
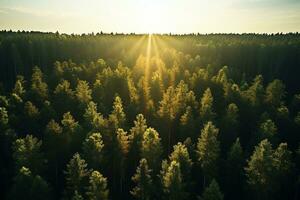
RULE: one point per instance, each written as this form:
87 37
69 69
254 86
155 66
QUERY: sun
151 20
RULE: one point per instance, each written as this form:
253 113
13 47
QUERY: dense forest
128 116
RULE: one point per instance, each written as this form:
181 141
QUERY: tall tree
83 92
208 150
27 153
172 182
142 179
275 92
97 189
206 106
92 150
151 148
28 186
212 192
267 168
76 176
39 88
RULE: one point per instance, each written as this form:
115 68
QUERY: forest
149 116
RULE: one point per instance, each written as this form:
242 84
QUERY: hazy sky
180 16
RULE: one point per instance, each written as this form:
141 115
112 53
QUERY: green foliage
117 116
92 150
76 175
206 110
142 178
172 182
97 188
39 88
267 167
3 118
27 153
178 86
83 92
151 147
28 186
212 192
275 93
208 150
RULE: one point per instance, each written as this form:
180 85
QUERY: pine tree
3 119
76 176
93 120
27 153
267 130
39 88
187 124
208 150
206 106
234 171
19 87
212 192
92 150
275 92
135 138
83 92
117 117
72 133
97 189
181 155
28 186
63 98
267 168
172 182
142 179
230 125
256 91
151 148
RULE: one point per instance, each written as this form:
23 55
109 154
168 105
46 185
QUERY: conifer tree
27 153
151 148
39 88
208 150
28 186
97 189
142 179
212 192
181 155
172 182
206 110
93 120
234 171
275 92
76 176
135 138
117 117
83 92
92 150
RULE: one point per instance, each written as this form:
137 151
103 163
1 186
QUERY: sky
151 16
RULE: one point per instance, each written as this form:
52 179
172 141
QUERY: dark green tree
97 188
143 180
208 150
